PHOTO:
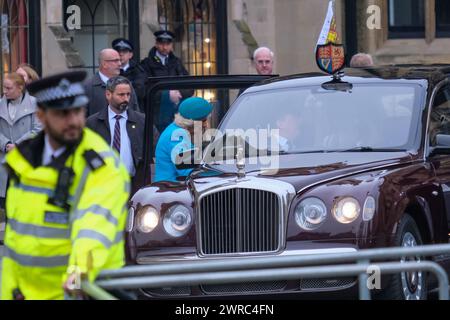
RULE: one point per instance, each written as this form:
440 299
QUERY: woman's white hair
183 122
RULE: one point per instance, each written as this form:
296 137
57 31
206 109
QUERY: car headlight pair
311 213
177 220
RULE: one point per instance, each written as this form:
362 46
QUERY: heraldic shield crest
330 57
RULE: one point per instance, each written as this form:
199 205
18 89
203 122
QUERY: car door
219 90
439 123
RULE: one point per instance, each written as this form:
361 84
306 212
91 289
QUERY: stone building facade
218 36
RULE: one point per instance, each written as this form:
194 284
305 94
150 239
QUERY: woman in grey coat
18 121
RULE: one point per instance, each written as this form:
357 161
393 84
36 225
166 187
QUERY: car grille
308 284
240 221
251 287
168 292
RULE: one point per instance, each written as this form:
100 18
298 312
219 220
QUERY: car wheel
407 285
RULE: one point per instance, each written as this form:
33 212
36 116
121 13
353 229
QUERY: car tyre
407 285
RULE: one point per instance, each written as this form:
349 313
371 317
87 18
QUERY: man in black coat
122 127
161 62
130 69
109 66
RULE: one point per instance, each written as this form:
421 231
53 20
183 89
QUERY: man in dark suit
109 66
121 127
161 62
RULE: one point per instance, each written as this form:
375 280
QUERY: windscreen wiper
370 149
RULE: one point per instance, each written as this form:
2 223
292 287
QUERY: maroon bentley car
318 165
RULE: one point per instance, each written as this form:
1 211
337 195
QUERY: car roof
421 74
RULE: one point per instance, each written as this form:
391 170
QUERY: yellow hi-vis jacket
44 242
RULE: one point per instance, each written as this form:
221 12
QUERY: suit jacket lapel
103 116
133 134
97 81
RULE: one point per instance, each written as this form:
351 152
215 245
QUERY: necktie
122 72
116 140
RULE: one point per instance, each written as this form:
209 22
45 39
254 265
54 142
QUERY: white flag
328 33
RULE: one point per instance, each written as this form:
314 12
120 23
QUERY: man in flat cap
130 69
161 62
179 137
66 201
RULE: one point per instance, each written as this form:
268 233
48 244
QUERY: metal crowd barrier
273 268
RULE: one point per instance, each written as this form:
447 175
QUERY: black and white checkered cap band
65 89
123 45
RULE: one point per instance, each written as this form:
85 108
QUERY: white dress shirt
161 57
125 68
125 143
49 152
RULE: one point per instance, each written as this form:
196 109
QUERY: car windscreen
309 119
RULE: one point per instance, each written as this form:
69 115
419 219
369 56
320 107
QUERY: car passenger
288 127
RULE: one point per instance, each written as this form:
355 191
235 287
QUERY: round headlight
310 213
177 221
369 208
347 210
147 219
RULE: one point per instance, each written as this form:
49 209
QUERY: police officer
161 62
66 202
130 69
179 138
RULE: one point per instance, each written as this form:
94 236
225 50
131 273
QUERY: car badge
240 162
330 57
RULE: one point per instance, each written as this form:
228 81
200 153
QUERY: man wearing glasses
95 87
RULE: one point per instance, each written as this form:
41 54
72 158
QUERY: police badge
330 57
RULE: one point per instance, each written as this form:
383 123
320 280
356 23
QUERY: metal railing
274 268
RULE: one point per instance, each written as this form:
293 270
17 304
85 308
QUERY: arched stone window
101 22
194 24
14 34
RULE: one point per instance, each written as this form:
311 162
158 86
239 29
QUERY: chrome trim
194 257
284 191
130 219
430 106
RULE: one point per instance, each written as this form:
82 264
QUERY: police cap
164 36
122 44
60 91
195 108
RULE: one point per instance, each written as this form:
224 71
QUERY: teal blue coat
172 141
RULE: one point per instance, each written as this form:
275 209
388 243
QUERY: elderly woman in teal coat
178 138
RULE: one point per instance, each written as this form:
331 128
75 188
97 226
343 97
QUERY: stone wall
149 24
58 53
400 51
289 27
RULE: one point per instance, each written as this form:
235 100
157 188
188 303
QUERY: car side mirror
189 159
442 145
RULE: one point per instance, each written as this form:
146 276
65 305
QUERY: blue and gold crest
330 57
